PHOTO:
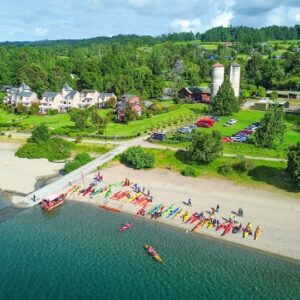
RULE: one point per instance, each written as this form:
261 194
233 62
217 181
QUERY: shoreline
282 241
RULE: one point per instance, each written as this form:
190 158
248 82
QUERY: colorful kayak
177 214
258 232
221 226
236 229
227 229
126 227
153 253
199 225
155 209
166 211
96 192
158 213
173 212
210 224
185 217
192 217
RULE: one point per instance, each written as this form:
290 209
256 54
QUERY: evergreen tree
40 134
225 103
271 129
294 163
205 147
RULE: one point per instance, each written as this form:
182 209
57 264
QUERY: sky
28 20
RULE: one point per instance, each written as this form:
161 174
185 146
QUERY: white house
51 100
104 97
88 98
22 95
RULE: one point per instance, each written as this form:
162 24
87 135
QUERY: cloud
34 19
41 32
185 25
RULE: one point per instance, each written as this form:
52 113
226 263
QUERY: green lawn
245 118
265 173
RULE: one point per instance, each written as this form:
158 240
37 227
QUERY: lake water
77 252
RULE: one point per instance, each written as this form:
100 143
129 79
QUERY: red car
227 139
206 123
247 131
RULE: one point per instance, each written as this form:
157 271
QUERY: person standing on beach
218 208
189 202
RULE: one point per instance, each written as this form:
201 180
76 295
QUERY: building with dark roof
200 94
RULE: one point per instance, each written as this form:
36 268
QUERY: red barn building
201 94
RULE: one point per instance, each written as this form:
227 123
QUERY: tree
79 117
294 163
274 95
21 109
225 103
137 158
40 134
205 147
261 91
34 108
271 129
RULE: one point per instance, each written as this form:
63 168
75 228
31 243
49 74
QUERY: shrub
243 166
80 160
189 171
137 158
53 149
40 134
225 169
52 112
78 139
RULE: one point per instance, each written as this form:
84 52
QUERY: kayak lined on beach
258 232
237 229
166 211
227 229
155 209
173 212
153 253
222 226
177 214
185 216
199 224
192 218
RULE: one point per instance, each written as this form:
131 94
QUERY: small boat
199 224
126 227
247 230
158 213
192 217
258 232
173 212
177 214
166 211
227 229
53 201
110 208
155 209
221 226
153 253
141 212
185 217
237 229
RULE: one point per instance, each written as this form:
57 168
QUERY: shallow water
77 252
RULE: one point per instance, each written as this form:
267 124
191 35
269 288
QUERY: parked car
215 118
232 121
184 130
206 122
243 134
193 127
239 139
227 139
247 131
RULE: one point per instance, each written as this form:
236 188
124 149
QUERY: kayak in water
258 232
153 253
126 226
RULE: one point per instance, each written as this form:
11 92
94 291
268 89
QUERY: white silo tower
235 78
217 78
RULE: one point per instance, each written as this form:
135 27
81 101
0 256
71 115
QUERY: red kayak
126 227
227 229
199 224
192 217
221 226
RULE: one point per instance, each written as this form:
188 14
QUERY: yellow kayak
258 232
185 216
131 199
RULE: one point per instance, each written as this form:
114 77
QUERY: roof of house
148 103
104 95
50 94
136 107
72 94
128 97
25 94
198 90
5 88
67 87
86 91
24 86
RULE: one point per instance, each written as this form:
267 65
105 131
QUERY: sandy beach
275 213
21 174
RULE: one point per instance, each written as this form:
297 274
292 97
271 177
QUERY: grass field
264 174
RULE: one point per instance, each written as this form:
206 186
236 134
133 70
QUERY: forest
145 65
